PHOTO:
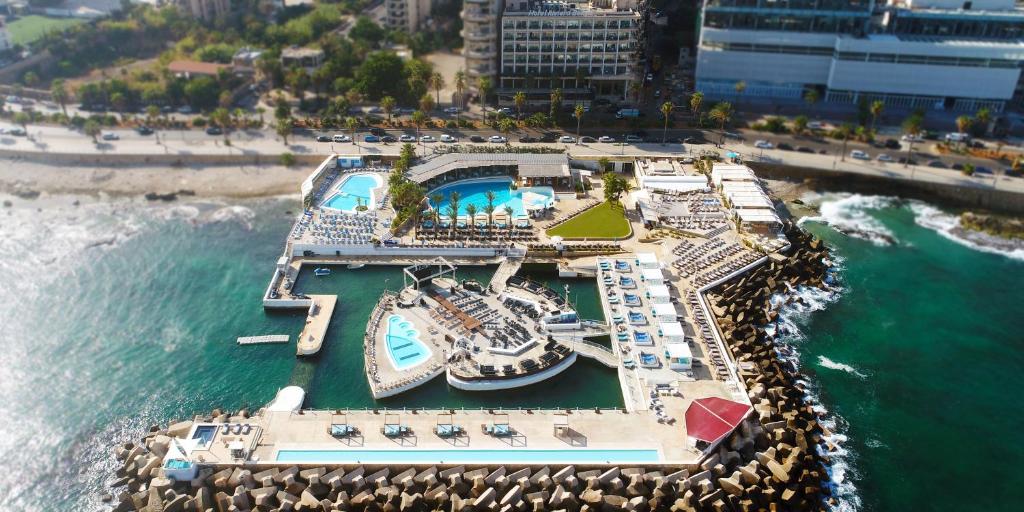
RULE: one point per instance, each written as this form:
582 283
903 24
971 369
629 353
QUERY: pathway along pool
579 456
404 346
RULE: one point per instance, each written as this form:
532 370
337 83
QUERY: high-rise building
480 34
586 49
206 10
932 54
407 15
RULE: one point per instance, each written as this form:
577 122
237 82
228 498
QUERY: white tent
652 276
679 356
658 294
664 312
646 260
672 332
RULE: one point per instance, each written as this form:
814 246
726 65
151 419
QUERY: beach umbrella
710 419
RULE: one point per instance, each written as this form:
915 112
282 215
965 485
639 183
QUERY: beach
28 179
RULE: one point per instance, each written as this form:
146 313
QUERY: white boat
356 266
322 271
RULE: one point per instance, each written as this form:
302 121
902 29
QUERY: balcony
476 36
477 16
479 53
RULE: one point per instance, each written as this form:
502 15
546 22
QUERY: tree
460 92
471 213
740 87
963 123
520 100
635 90
261 111
604 164
92 129
811 97
284 128
983 117
844 131
556 103
202 92
60 94
353 96
508 218
876 109
437 83
696 106
222 118
152 112
485 86
489 209
31 79
22 119
435 199
388 104
381 74
912 128
614 186
352 123
119 101
666 110
366 30
721 114
578 114
506 126
427 103
418 118
453 208
800 124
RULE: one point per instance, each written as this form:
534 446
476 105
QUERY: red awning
710 419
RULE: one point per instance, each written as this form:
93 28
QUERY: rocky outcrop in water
792 430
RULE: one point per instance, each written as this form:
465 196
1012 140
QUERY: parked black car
804 149
527 139
214 130
892 144
785 147
388 138
144 130
476 138
550 137
323 138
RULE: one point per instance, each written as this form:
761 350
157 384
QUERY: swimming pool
204 434
475 192
579 456
404 346
354 190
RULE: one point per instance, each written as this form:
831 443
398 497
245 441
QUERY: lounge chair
342 430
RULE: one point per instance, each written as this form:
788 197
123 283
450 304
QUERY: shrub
287 159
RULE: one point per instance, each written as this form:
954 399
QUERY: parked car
957 167
505 111
476 138
451 110
549 137
816 125
323 138
341 138
885 158
859 155
377 131
185 110
497 139
763 144
937 164
388 138
904 160
804 149
407 138
634 138
606 138
785 147
527 139
214 130
144 130
733 135
427 138
17 132
892 144
587 139
448 138
371 139
912 138
104 135
567 139
957 137
982 170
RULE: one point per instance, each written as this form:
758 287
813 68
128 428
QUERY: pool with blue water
405 348
475 192
355 190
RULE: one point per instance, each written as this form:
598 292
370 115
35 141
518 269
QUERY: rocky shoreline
1009 230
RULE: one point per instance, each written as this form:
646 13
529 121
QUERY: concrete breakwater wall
169 159
969 194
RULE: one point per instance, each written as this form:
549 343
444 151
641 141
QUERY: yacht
356 266
322 271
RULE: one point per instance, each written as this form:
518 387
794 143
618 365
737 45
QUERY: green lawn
27 29
601 221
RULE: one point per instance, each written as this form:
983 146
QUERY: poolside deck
319 317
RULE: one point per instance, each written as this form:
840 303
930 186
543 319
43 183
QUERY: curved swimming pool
355 189
475 192
404 346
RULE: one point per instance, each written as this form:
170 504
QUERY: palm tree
60 94
152 112
453 208
453 215
963 123
261 111
799 125
696 105
635 88
844 131
437 83
508 218
471 213
484 85
876 110
388 104
912 127
418 118
520 100
490 207
740 87
983 117
722 114
427 103
666 110
436 199
556 103
91 128
460 86
222 118
811 97
351 123
578 114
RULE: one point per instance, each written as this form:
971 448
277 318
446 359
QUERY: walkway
601 354
319 317
507 269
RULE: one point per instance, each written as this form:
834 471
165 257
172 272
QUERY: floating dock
259 340
317 320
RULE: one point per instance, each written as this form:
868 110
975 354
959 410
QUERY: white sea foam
849 214
948 225
235 213
832 365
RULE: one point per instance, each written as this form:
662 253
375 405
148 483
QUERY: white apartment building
480 40
931 54
587 49
407 15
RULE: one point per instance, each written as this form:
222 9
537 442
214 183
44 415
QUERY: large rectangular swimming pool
579 456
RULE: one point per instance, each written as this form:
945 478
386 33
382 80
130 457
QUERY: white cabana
652 276
679 356
664 312
658 294
672 332
646 260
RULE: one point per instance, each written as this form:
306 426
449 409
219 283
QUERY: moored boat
322 271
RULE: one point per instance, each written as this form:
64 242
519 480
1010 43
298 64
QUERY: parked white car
816 125
427 138
451 110
110 136
912 138
341 138
447 138
497 139
957 137
567 139
606 138
763 144
859 155
885 158
634 138
407 138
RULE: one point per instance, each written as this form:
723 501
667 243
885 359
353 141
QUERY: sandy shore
20 177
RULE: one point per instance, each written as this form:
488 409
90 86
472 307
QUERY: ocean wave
948 225
832 365
848 214
235 213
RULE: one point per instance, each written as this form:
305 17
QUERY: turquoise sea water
121 315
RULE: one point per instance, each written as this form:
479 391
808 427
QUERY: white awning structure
757 216
653 275
664 311
658 291
672 330
647 259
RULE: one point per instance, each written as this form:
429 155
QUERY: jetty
260 340
317 320
603 355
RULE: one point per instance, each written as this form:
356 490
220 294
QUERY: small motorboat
322 271
356 266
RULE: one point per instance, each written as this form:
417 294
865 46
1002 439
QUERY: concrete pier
312 336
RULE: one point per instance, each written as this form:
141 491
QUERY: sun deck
319 317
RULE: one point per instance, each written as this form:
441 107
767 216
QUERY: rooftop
555 165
